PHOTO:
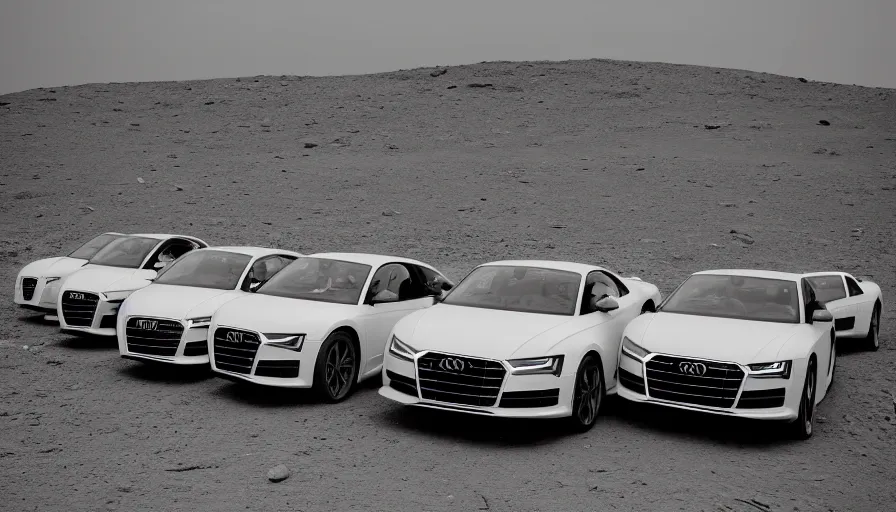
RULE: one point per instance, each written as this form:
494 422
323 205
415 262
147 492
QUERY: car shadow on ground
248 393
88 342
692 425
166 373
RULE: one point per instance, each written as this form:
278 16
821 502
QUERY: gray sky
46 43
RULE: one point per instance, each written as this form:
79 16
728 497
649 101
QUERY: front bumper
559 389
44 297
103 321
634 387
268 365
191 349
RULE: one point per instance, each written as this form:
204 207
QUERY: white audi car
89 297
167 321
37 285
322 322
532 339
747 343
855 304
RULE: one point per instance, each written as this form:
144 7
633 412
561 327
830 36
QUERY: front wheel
872 341
336 369
804 425
588 394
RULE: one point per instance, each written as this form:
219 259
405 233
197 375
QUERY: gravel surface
653 170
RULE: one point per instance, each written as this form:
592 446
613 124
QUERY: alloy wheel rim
588 395
875 327
339 369
809 411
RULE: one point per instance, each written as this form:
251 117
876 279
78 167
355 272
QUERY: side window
434 283
262 270
810 303
828 288
394 281
621 288
169 252
853 286
598 284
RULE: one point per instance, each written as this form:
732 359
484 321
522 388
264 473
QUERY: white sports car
37 285
322 322
526 339
748 343
89 297
168 320
855 304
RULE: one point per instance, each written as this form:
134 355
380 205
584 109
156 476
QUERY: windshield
745 298
525 289
86 251
127 252
319 279
206 269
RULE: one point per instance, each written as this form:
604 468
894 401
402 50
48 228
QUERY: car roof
767 274
374 260
250 250
569 266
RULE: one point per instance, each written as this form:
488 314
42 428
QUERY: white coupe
168 320
533 339
748 343
855 304
322 322
89 297
37 285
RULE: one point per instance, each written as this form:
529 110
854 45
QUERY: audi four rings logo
450 364
76 295
234 337
148 325
690 368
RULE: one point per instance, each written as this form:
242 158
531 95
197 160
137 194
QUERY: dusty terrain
645 168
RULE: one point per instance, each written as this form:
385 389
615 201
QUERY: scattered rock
243 125
390 213
135 124
824 123
266 123
743 237
559 226
278 473
728 205
284 83
712 126
438 72
309 145
803 80
172 155
820 151
209 102
141 180
479 85
4 103
451 87
178 188
54 362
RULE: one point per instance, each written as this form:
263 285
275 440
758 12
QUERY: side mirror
605 304
382 297
822 315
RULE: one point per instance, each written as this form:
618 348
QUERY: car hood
720 339
177 302
268 313
480 332
99 279
52 267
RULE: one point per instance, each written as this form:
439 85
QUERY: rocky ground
653 170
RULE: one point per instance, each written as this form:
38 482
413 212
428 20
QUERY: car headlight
630 348
199 321
117 296
48 280
401 350
289 341
551 365
778 369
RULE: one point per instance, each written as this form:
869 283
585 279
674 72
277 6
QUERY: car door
400 284
611 323
862 302
830 290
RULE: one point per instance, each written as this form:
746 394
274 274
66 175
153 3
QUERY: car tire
834 363
872 340
804 425
588 394
336 368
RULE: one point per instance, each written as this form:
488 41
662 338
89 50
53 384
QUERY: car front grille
459 380
153 336
78 308
235 349
28 285
537 398
761 399
668 378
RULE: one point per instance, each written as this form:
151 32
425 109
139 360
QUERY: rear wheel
872 341
336 369
804 425
588 394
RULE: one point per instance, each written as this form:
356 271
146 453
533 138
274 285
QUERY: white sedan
89 297
322 322
746 343
168 320
855 304
37 285
526 339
